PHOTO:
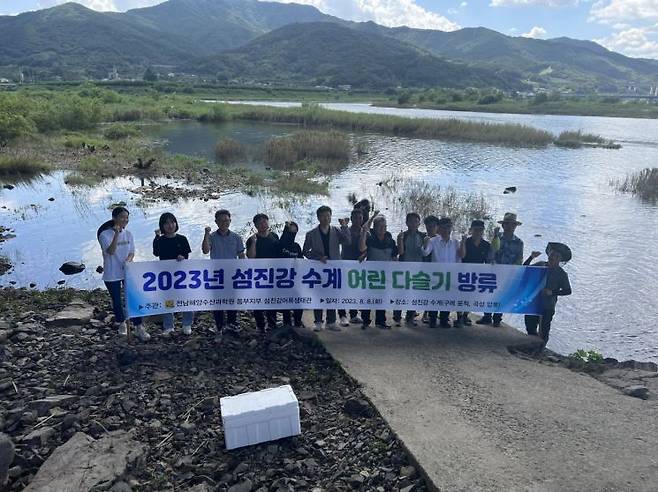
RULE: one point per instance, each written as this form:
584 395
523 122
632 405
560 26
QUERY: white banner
157 287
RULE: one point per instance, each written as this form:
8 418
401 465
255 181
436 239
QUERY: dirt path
477 418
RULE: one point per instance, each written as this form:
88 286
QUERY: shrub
229 150
118 132
489 99
217 114
576 139
14 125
79 114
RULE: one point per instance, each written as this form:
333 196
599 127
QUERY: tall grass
446 129
409 195
577 139
119 132
21 167
642 183
229 150
324 148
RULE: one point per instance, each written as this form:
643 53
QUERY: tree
150 75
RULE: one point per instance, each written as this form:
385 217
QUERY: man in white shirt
443 250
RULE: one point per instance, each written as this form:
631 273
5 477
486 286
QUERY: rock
84 463
121 486
642 366
510 189
44 405
32 285
408 472
408 488
51 199
69 421
39 437
357 480
4 335
637 391
76 313
71 268
6 457
99 269
15 472
241 468
61 282
8 187
357 407
244 486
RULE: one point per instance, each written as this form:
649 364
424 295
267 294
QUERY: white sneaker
356 320
168 331
122 328
333 327
344 321
187 329
318 326
142 334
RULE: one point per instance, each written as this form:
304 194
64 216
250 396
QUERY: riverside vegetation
643 183
95 132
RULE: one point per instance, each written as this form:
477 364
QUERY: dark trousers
114 288
543 322
380 317
397 315
497 317
290 315
261 316
353 313
231 318
444 316
331 315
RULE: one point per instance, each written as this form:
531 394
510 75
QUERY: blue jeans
114 288
168 319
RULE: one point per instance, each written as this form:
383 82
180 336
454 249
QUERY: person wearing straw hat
557 284
508 250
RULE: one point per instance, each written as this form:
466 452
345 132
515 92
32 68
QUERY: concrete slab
476 417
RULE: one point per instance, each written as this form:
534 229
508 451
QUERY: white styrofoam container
260 416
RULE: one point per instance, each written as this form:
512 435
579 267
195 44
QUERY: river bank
58 346
165 393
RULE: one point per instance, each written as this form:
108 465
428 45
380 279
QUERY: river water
563 195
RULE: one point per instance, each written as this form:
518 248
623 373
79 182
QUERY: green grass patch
299 184
329 149
119 132
577 139
75 179
21 166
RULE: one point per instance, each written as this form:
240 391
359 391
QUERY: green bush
14 125
119 132
217 114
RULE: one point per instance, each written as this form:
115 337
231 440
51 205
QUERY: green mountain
326 53
72 41
217 25
553 62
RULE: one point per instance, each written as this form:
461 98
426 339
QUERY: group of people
361 237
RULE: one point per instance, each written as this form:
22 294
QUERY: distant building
4 81
345 87
114 74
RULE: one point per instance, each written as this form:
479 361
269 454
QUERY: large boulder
84 463
6 457
76 313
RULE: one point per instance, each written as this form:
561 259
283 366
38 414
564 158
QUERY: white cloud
536 33
639 42
613 11
463 4
389 13
535 3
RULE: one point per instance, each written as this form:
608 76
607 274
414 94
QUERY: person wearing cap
557 284
508 250
443 249
475 249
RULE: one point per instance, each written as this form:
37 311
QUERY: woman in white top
118 248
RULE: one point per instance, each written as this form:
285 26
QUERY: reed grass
642 183
21 166
229 150
329 150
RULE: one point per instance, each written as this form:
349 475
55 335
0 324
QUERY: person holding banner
351 252
410 248
290 249
377 245
263 244
168 245
118 248
443 249
508 250
323 243
557 284
223 244
475 249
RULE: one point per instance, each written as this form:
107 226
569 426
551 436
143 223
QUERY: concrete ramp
476 417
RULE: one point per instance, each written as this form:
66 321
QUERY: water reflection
562 195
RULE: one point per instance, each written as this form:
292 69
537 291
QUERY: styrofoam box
260 416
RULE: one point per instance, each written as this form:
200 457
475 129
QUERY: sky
626 26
